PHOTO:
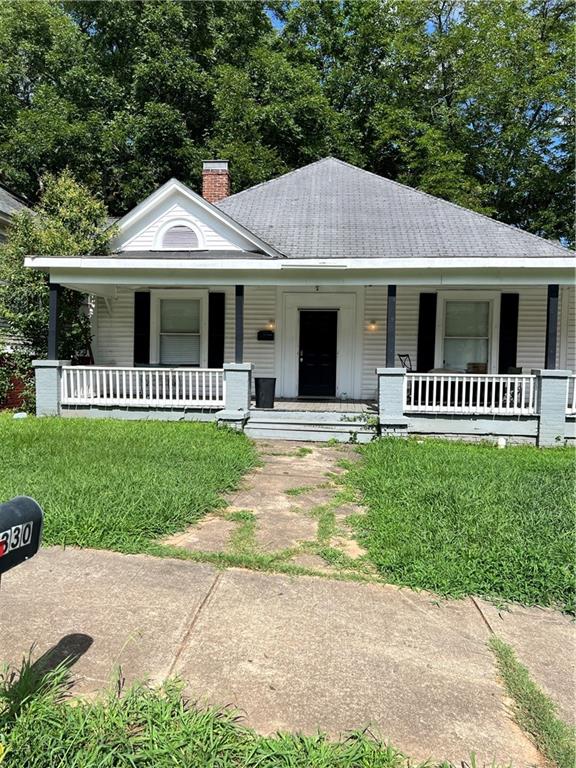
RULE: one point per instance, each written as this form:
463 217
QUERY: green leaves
466 100
68 221
470 100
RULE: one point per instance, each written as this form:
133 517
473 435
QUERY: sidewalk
301 653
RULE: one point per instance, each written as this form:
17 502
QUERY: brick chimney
215 180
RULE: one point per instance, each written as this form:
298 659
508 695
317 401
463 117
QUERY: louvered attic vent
180 238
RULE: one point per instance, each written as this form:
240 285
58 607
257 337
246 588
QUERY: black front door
317 371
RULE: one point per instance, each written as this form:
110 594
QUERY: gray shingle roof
9 204
331 209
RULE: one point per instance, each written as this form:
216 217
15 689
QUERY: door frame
348 342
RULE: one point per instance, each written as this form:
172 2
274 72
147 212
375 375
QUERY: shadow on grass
49 673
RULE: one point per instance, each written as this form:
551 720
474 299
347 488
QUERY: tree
68 221
470 100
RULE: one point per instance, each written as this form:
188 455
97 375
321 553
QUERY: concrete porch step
310 417
309 425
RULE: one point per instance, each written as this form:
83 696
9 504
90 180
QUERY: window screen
180 332
180 238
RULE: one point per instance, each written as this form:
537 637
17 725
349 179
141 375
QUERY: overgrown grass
156 729
117 484
462 519
534 711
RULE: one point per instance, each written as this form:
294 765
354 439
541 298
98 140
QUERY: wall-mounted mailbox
265 335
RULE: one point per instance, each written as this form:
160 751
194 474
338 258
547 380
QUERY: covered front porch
450 359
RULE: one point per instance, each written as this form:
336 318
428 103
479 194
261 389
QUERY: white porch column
552 394
48 375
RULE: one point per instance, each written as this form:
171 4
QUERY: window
179 332
180 238
467 331
179 327
467 335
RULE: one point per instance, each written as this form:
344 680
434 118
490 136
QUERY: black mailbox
21 521
265 335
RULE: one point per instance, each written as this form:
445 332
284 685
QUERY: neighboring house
317 278
9 205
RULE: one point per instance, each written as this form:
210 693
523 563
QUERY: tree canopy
470 100
67 221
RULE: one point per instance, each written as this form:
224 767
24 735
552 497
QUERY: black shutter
216 330
508 331
141 328
426 332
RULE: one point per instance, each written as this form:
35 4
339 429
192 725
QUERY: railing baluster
475 393
163 386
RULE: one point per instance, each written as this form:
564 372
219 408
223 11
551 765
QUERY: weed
242 540
300 491
534 711
158 728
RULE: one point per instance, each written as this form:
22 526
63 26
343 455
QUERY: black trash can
265 388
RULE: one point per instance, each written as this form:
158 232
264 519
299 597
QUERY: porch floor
322 406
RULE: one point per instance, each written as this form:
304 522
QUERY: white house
318 278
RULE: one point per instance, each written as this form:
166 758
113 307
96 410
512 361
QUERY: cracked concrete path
297 653
299 510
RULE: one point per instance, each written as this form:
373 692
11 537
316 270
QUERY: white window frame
178 222
493 298
179 294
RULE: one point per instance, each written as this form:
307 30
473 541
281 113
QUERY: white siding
407 308
259 310
374 340
568 333
114 330
375 301
531 326
229 324
146 239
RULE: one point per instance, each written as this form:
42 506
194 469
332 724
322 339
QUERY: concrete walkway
297 653
290 508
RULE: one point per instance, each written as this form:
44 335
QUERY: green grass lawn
461 519
118 484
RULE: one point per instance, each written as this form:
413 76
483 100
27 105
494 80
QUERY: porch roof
99 275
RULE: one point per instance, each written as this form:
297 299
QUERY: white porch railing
571 399
470 394
158 387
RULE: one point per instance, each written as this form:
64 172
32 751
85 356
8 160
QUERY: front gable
145 228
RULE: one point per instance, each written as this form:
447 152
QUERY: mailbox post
21 521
